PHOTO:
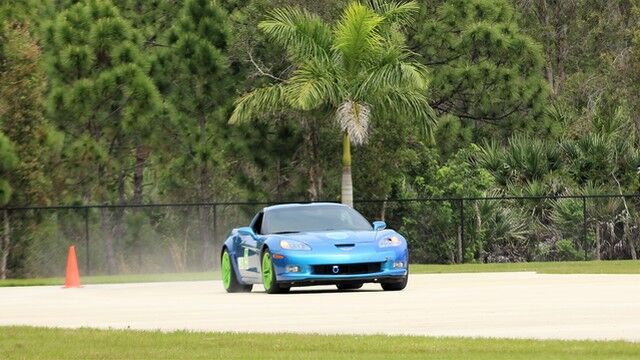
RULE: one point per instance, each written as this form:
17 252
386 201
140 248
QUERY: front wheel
269 280
396 285
229 280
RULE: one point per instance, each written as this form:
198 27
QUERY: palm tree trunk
347 184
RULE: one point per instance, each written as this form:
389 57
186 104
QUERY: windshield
306 218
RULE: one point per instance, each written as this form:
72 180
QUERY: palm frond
400 12
356 34
353 118
491 156
313 84
303 34
394 74
258 102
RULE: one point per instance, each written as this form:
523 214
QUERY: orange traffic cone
72 280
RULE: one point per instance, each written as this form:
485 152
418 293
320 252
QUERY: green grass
561 267
115 279
571 267
41 343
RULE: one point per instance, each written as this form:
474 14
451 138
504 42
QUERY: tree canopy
131 102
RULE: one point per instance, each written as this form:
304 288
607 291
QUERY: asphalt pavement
506 305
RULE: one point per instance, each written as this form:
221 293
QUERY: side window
345 218
256 224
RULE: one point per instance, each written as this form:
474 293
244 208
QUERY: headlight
294 245
391 241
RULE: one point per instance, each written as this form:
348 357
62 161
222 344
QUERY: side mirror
379 225
247 231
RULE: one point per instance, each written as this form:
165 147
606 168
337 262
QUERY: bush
566 251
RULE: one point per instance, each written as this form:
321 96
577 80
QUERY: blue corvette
313 244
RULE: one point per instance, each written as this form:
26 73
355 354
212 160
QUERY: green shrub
566 251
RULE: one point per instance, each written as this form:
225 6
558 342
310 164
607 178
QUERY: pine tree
152 18
198 81
21 86
484 68
22 89
8 161
103 99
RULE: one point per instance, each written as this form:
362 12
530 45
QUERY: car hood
337 237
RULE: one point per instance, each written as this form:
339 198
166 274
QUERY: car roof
294 205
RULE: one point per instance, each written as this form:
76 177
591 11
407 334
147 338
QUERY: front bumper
306 262
334 281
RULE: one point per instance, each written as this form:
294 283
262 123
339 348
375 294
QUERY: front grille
347 269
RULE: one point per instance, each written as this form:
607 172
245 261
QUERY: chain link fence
169 238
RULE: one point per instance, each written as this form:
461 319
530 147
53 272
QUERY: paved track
516 305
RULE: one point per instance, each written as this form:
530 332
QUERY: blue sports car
313 244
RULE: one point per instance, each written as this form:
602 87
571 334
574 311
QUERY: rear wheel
349 286
269 280
229 278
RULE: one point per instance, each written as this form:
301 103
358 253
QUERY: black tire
396 285
246 288
274 288
349 286
234 285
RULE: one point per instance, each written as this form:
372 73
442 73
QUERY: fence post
461 242
584 226
86 240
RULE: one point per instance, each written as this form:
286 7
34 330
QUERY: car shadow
299 291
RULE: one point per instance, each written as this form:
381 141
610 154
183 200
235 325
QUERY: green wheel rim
226 270
267 272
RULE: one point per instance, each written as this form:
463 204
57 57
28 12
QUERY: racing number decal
243 262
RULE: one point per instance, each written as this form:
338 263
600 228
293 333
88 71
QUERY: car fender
230 245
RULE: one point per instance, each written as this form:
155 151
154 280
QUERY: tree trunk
598 234
142 153
562 51
545 18
118 228
478 224
629 239
6 245
108 240
315 183
347 184
203 196
315 170
205 237
459 245
612 240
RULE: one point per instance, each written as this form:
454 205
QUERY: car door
249 257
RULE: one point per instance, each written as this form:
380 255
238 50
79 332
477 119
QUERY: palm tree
360 69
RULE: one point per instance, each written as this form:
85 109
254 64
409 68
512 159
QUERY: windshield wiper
285 232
